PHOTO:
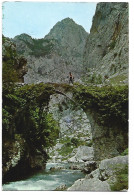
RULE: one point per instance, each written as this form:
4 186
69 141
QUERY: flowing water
46 180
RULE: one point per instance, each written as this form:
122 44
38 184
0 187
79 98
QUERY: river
47 180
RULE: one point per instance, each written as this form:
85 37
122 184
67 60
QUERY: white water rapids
46 180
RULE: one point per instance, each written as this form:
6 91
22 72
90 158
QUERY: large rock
90 185
84 153
102 178
93 174
109 167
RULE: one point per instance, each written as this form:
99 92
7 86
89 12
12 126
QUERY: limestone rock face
75 130
106 49
51 58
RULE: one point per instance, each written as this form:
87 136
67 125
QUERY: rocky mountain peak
67 21
65 29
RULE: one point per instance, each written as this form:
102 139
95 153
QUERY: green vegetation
92 78
13 65
75 141
78 142
117 79
23 113
125 152
109 103
9 60
64 86
24 110
90 143
40 47
121 180
69 144
66 150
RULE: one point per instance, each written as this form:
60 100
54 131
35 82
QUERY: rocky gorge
84 125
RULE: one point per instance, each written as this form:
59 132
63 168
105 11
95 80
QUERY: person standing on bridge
71 78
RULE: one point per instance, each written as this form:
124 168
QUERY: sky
38 18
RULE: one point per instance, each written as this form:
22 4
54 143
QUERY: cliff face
52 58
106 49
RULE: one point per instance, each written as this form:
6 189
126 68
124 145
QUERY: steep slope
106 49
51 59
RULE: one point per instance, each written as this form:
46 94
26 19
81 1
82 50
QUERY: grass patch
69 145
116 80
122 180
